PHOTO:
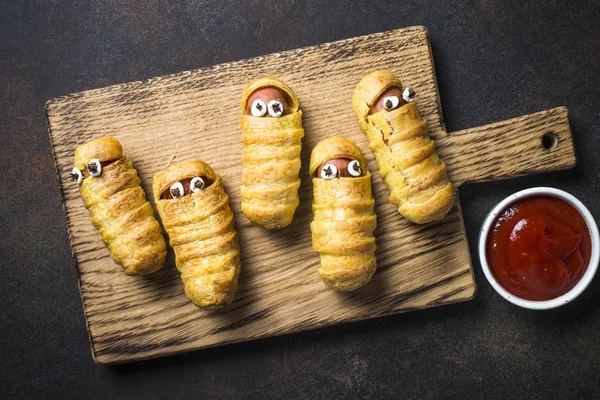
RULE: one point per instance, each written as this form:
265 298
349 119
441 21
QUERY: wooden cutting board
195 115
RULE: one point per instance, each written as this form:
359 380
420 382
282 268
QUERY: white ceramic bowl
588 274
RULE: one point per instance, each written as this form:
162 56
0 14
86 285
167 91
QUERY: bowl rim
584 281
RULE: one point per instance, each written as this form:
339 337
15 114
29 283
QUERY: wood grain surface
195 115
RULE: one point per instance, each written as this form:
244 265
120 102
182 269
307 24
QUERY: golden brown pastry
194 209
399 139
110 189
344 218
271 133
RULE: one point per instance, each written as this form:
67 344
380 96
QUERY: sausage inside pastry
405 154
344 218
271 133
111 191
195 212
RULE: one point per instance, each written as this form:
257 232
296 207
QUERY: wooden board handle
525 145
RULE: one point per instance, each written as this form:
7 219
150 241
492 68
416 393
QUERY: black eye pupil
276 107
388 104
258 107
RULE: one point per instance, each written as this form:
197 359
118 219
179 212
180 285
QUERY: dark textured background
494 60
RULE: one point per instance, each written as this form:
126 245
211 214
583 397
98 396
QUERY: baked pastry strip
201 231
405 154
344 216
111 191
271 159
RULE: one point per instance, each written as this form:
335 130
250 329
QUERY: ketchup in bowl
539 247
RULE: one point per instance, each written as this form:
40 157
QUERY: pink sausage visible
341 164
266 94
166 195
391 91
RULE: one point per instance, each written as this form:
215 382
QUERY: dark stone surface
494 59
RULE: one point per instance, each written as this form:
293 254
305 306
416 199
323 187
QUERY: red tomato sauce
539 247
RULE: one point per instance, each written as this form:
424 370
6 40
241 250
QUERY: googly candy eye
259 108
408 95
354 168
196 184
94 167
391 102
275 108
176 190
76 175
329 171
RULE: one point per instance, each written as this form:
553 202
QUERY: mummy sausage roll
398 137
344 219
271 133
111 191
194 209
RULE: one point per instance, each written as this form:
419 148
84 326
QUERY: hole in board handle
550 141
